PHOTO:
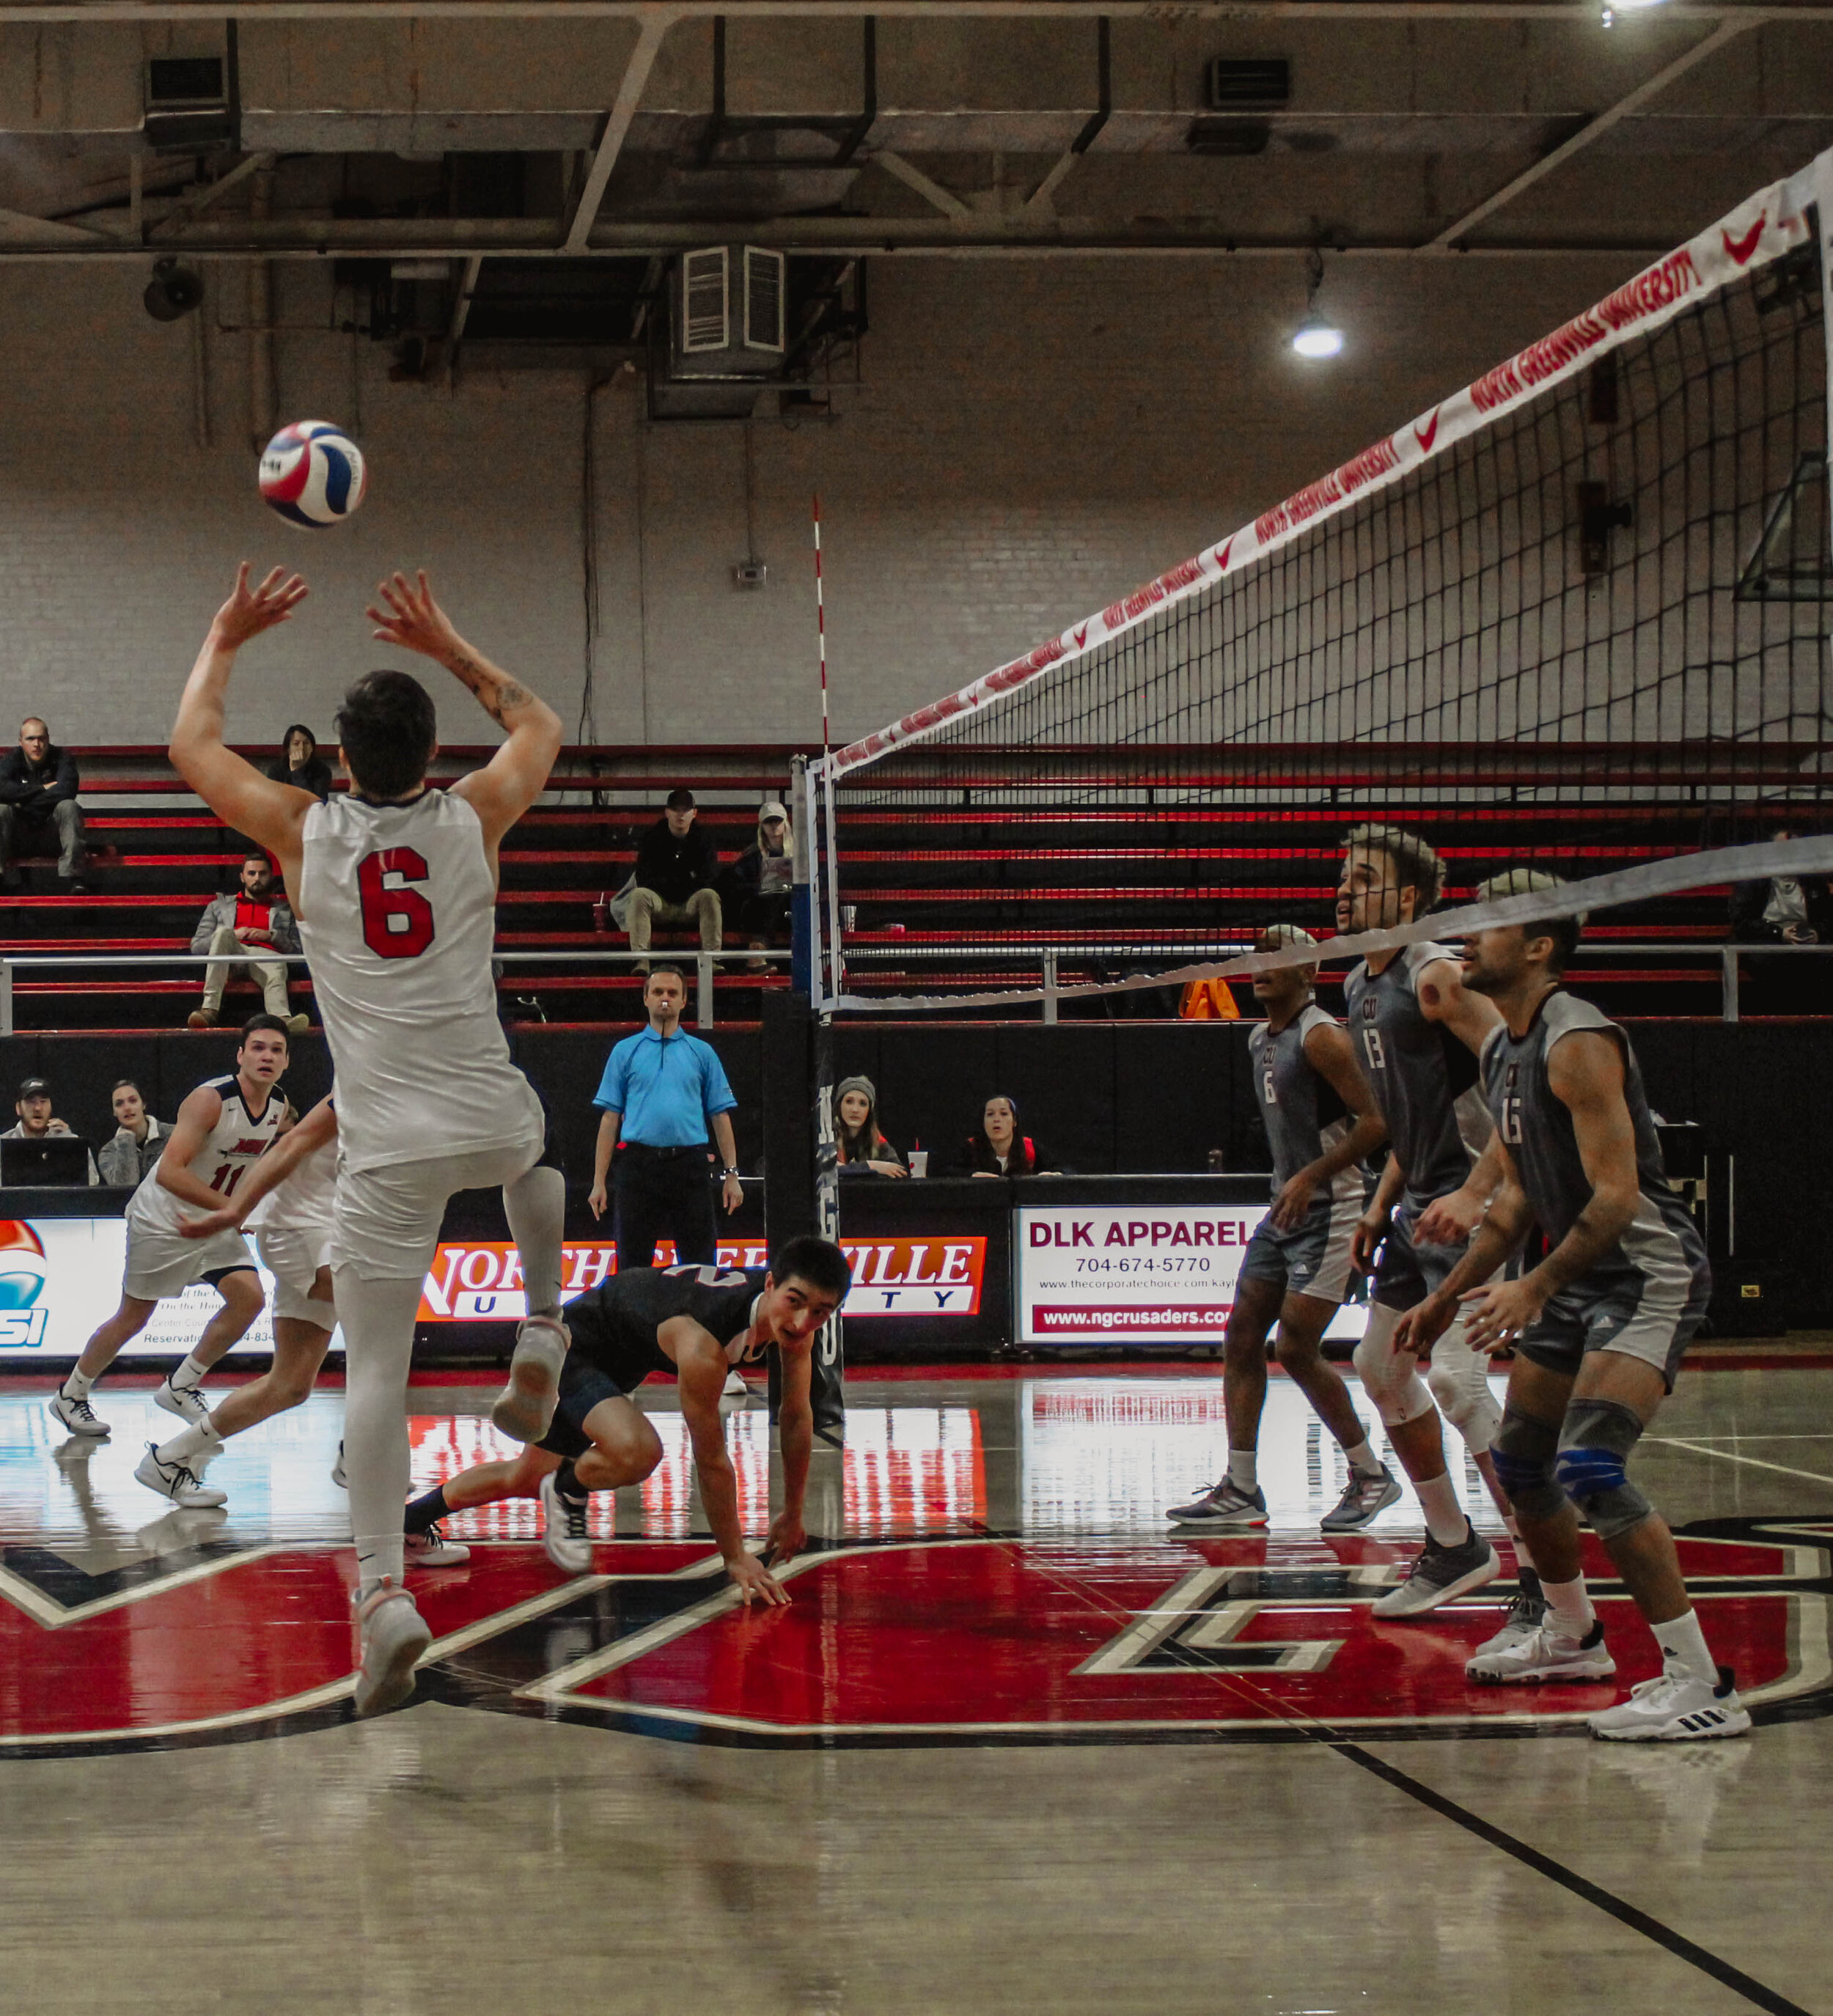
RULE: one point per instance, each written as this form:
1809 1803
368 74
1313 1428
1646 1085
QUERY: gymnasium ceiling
469 128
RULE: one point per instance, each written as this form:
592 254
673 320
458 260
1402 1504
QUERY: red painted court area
981 1638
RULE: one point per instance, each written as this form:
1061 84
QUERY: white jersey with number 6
398 918
239 1139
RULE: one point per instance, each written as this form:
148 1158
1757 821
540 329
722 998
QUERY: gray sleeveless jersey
1302 1113
1423 1078
1662 1243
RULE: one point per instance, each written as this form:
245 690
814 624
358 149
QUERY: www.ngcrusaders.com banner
1157 1275
479 1280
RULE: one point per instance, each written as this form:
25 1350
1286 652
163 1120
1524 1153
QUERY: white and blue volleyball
313 473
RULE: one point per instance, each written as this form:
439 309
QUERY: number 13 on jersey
398 920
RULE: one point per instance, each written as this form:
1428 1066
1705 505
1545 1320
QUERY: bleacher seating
987 870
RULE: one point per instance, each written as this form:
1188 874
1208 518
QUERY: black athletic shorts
583 1384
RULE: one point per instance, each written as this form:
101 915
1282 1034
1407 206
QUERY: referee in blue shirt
660 1090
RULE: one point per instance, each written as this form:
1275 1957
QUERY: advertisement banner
1160 1274
479 1280
61 1277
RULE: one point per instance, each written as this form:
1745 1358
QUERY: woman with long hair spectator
996 1148
862 1148
754 889
300 764
139 1139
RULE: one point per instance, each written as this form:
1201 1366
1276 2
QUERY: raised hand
410 617
251 610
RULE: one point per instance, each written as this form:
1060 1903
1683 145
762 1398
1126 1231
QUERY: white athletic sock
1244 1470
378 1320
535 1204
1363 1460
190 1442
1438 1499
1570 1606
77 1384
187 1374
1682 1646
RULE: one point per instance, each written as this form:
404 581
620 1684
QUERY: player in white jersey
223 1129
288 1203
394 890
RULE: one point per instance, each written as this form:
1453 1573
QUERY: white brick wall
1032 438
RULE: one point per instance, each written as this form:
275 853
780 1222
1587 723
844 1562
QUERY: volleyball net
1574 616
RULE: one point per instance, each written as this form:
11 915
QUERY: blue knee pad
1595 1441
1523 1453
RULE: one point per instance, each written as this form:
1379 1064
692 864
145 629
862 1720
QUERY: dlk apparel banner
1161 1274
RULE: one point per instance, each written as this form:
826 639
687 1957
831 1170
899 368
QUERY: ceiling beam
194 206
1577 11
1447 239
617 128
932 192
985 234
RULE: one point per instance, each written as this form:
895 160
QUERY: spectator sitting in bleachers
38 784
862 1149
300 764
138 1142
238 928
677 864
36 1121
996 1148
754 888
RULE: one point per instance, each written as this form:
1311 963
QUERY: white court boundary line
1732 1455
1758 231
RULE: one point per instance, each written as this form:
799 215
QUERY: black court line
1677 1943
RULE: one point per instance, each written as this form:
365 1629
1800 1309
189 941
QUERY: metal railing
1050 957
704 963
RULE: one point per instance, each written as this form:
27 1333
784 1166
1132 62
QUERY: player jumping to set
224 1127
1598 1327
1322 1124
1418 1030
287 1203
698 1322
394 886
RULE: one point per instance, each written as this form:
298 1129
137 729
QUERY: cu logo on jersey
398 920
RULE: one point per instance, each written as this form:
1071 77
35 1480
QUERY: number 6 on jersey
398 920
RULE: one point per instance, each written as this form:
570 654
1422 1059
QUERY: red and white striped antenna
821 625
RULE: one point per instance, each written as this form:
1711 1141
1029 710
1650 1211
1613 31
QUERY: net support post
703 988
801 905
1050 986
6 1026
1728 960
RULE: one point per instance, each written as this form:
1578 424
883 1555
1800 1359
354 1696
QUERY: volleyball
22 1264
313 473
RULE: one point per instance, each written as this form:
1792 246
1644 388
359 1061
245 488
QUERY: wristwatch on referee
725 1173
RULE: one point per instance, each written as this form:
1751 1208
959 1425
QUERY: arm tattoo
495 691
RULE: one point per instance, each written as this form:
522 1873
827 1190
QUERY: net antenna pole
836 978
1822 184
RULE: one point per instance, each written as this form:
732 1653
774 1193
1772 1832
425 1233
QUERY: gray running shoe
1441 1573
185 1401
524 1408
393 1635
1223 1504
1362 1498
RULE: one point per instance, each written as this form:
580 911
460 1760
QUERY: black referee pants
662 1193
